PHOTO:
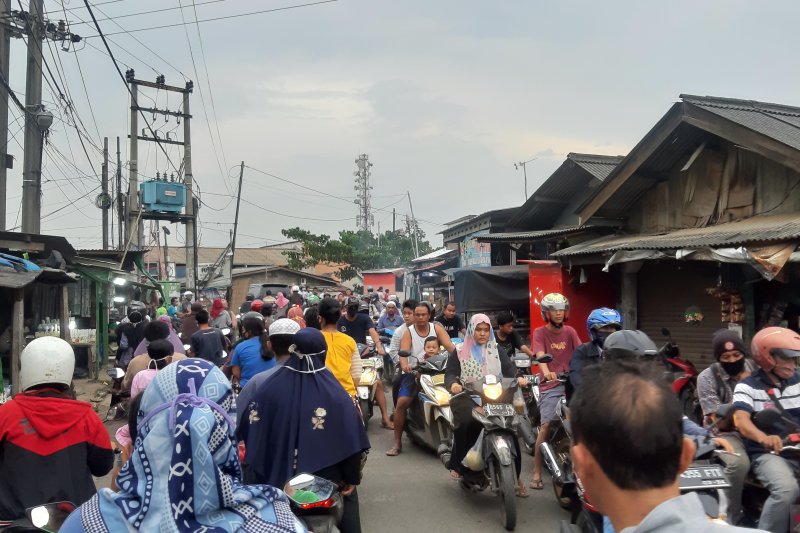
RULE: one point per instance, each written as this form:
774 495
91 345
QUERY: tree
354 251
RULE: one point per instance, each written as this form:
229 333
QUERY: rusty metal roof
530 236
773 228
781 122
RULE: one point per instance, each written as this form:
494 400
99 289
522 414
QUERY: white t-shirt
418 341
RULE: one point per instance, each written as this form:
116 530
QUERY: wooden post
17 336
63 317
628 297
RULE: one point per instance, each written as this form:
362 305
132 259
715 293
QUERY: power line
262 208
226 17
150 12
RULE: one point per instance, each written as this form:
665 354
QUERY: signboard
474 253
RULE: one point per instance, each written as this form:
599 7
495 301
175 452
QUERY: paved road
413 492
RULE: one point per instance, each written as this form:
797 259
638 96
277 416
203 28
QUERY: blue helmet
601 318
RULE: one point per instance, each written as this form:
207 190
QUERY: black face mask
733 369
600 337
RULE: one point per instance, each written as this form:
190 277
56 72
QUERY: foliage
354 251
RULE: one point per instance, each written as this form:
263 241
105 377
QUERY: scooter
530 422
371 372
429 422
491 460
47 517
684 381
316 502
556 454
389 366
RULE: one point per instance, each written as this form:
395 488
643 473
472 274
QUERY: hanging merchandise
731 305
693 315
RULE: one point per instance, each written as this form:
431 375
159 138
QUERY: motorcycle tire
561 452
690 404
366 408
506 485
589 522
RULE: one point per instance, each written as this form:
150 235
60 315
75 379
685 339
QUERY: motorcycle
118 406
491 460
389 365
555 451
530 422
684 381
371 374
48 517
429 422
316 501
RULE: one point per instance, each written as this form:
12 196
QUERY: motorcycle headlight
493 391
367 377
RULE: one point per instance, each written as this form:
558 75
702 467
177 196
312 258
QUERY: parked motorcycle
491 460
48 517
316 502
684 381
429 421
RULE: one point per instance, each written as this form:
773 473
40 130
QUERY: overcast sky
443 95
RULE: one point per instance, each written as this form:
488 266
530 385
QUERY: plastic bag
474 458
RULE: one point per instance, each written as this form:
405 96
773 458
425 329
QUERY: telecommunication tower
364 220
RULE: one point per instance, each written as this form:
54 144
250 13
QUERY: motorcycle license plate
438 379
499 409
704 477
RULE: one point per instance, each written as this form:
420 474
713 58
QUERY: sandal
390 426
394 451
455 476
521 491
536 484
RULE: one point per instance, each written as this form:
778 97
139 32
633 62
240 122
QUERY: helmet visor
785 353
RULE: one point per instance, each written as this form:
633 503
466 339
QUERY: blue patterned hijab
184 472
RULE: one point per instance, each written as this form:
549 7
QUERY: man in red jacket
50 444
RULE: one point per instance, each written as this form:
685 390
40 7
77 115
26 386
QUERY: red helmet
256 305
771 342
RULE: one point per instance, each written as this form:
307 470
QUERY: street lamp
525 172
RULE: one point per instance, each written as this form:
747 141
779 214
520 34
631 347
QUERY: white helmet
46 360
188 293
295 288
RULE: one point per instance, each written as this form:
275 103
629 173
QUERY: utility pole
37 122
104 188
365 219
236 219
132 205
166 251
394 220
191 211
120 211
413 225
5 54
525 173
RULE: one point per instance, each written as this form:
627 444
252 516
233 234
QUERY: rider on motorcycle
715 387
601 323
50 444
777 385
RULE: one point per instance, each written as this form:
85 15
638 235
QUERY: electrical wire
262 208
151 12
226 17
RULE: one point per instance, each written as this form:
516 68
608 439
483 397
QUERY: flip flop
521 492
387 426
536 484
394 451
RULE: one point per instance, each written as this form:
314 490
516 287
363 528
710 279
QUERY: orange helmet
256 305
771 342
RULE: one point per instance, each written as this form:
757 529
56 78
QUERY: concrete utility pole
5 54
104 189
365 219
236 219
413 226
120 211
132 205
37 122
191 212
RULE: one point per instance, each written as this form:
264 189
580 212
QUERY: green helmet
313 299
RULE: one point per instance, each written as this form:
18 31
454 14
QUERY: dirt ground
98 393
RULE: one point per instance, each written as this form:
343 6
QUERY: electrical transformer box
163 196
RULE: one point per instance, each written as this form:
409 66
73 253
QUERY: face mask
733 369
600 337
559 325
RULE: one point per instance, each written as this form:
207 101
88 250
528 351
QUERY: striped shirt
751 395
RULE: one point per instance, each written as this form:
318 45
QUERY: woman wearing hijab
129 335
301 420
281 305
220 317
154 331
477 357
296 314
184 474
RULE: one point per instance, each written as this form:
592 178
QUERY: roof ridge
744 105
595 158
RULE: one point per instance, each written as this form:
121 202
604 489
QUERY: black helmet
351 300
363 308
628 343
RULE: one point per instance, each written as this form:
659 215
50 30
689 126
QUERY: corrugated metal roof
525 236
755 229
436 254
599 166
781 122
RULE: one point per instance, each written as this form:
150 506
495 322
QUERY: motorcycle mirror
226 331
764 420
546 358
51 516
115 373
